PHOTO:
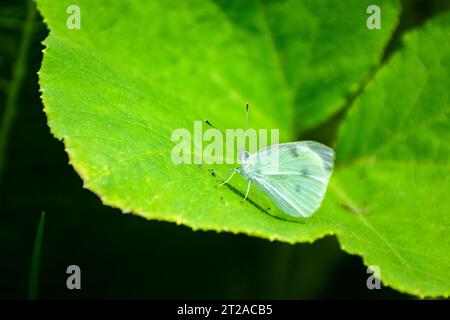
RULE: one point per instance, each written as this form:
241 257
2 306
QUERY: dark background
124 256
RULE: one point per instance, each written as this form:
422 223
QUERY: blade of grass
36 259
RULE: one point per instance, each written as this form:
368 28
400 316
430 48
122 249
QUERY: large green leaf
115 90
394 169
325 51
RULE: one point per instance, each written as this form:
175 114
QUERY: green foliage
116 89
36 260
12 89
394 161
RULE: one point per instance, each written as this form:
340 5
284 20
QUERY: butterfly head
244 156
246 163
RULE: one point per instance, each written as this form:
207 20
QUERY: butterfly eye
245 155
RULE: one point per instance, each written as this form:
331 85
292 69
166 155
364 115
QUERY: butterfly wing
298 181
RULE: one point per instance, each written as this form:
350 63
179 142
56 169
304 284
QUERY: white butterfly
294 175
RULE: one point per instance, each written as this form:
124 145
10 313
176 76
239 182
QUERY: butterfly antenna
209 124
246 117
246 123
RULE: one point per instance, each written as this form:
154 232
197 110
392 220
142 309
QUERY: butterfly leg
229 178
248 189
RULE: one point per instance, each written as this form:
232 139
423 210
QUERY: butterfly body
293 175
246 169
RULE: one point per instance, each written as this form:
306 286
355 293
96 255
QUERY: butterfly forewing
294 175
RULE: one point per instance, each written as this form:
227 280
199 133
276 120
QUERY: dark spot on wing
213 173
294 152
305 172
328 166
297 188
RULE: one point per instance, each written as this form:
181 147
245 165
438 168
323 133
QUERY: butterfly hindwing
297 182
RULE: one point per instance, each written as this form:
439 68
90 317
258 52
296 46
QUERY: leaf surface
117 88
